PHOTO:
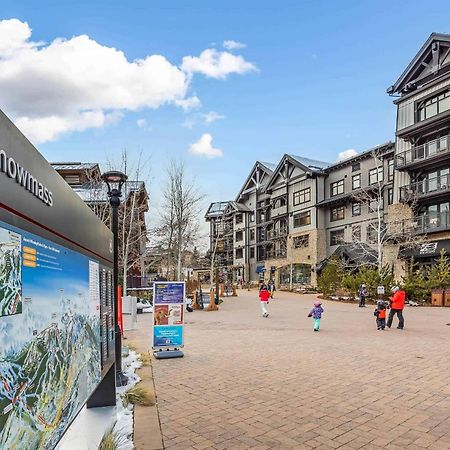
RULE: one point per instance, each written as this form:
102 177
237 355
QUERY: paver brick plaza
249 382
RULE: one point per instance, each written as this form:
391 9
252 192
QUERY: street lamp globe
114 181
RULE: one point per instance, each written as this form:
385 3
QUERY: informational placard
168 315
50 337
380 290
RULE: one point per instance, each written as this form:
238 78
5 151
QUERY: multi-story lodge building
289 218
422 149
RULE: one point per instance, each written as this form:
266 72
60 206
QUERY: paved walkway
249 382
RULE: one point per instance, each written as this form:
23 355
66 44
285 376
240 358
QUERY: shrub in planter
331 277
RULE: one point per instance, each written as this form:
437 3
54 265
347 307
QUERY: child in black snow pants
380 314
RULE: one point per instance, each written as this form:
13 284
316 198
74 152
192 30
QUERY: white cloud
75 84
207 118
233 45
203 147
346 154
212 116
143 124
215 64
189 103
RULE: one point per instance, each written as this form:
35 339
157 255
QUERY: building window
356 167
433 106
301 241
376 175
239 253
302 196
391 169
239 236
356 209
302 219
252 234
337 188
337 237
390 196
239 218
356 233
252 252
252 217
337 213
356 181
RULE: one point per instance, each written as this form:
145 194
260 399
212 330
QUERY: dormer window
433 106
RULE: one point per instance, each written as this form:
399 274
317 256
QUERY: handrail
424 187
424 151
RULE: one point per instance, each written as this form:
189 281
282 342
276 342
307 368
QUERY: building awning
426 249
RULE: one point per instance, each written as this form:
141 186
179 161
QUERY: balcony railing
275 234
423 152
275 254
423 224
425 188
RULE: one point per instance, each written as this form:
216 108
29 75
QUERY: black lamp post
115 180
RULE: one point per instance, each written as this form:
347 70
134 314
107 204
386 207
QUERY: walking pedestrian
397 306
264 295
316 314
362 296
271 287
380 314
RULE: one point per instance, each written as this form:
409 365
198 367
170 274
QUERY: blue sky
320 85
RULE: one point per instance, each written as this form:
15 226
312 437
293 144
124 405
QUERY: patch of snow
124 424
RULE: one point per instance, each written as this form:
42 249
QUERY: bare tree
178 229
379 231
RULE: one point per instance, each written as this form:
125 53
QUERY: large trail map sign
50 362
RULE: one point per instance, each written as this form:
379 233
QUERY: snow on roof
311 163
73 165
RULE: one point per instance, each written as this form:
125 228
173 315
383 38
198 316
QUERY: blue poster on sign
168 293
168 336
168 315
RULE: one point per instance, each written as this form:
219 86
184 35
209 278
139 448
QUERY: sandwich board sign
168 318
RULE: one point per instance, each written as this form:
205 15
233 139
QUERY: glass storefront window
301 274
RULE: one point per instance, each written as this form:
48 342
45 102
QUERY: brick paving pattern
252 383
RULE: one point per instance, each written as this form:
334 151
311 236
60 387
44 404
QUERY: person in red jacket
397 306
264 296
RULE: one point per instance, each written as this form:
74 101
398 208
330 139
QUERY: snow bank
124 424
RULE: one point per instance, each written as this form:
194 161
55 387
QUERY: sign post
168 319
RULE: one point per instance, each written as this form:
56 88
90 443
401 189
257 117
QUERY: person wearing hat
397 306
316 314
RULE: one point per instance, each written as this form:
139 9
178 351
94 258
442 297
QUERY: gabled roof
310 166
428 61
258 164
216 209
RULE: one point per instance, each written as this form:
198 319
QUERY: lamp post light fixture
114 181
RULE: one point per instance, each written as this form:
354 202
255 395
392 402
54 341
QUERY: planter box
437 297
447 297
